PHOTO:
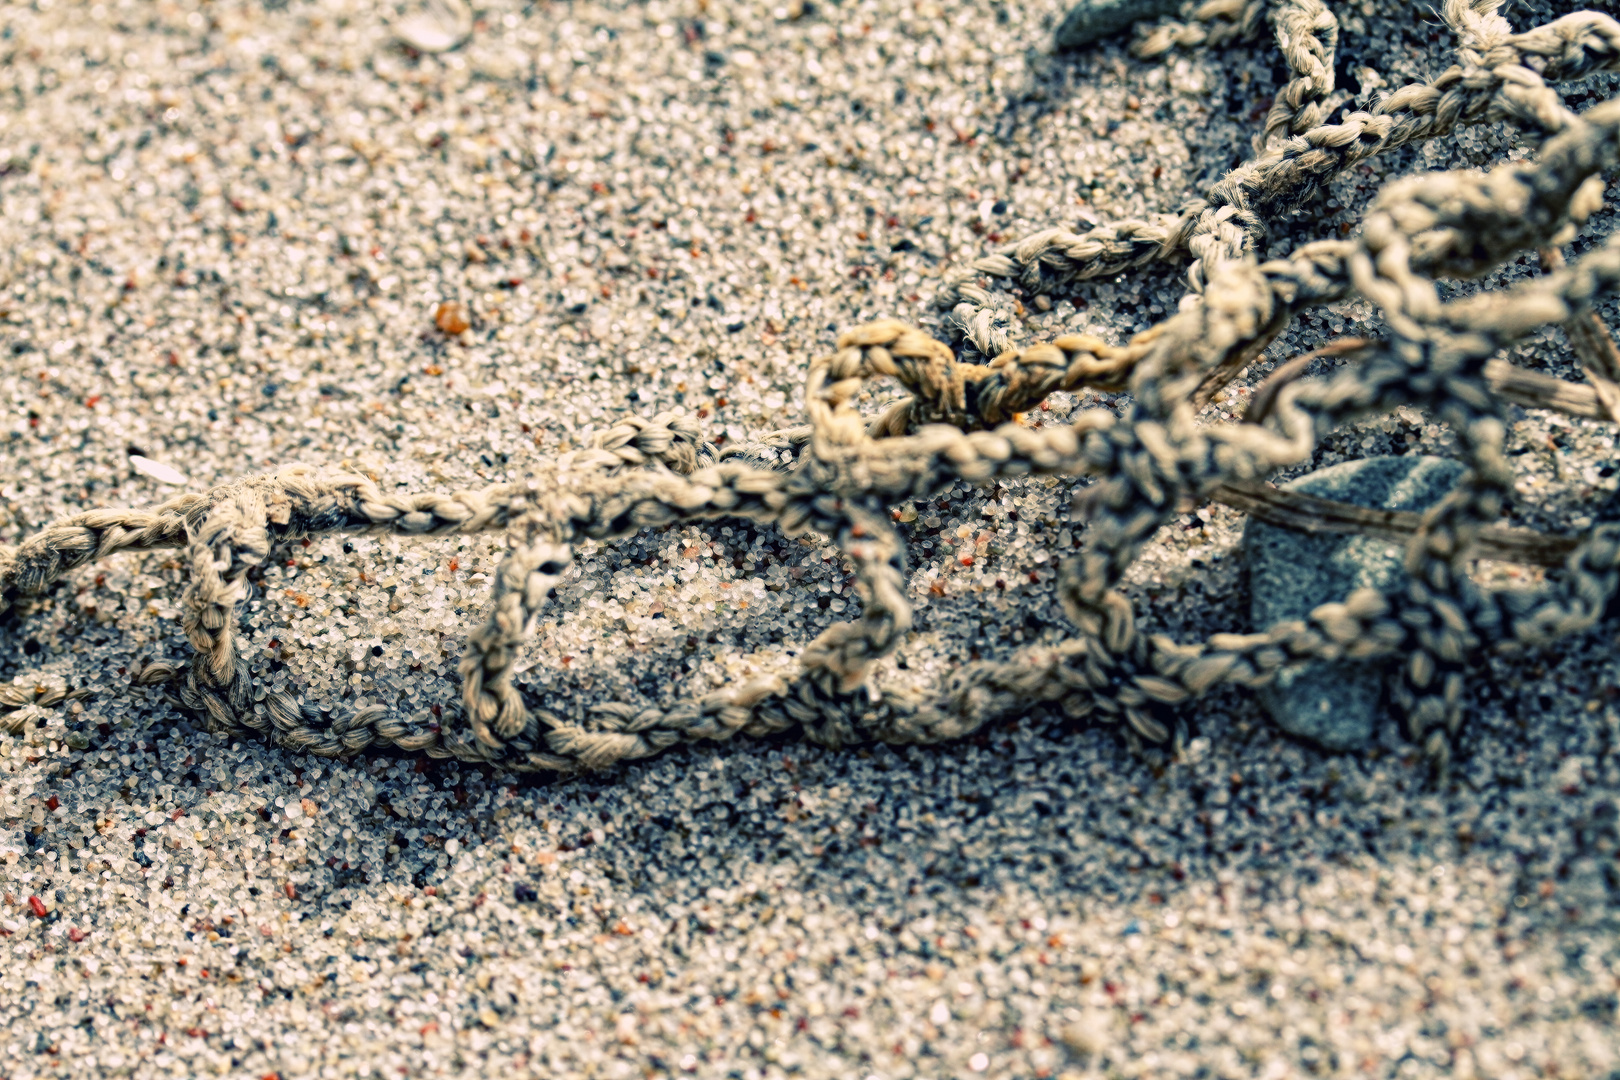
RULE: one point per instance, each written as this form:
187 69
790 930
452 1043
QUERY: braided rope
1212 22
843 471
1512 79
1308 35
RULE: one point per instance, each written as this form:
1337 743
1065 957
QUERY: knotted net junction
842 474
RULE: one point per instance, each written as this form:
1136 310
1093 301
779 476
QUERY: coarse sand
227 230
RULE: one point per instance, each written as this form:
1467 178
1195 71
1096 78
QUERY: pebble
1090 20
157 470
1336 704
1087 1035
435 26
451 318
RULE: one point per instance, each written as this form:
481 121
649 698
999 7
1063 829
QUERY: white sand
224 230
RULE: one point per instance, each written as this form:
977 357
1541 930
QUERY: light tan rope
844 471
1513 79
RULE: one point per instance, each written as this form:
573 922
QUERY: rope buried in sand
845 471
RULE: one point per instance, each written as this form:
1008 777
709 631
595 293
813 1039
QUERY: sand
225 232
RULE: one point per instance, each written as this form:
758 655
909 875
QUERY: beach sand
226 229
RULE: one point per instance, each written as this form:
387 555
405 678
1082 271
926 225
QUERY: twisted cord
1211 22
839 474
39 562
1229 221
1447 224
1445 212
1308 35
1427 626
1478 27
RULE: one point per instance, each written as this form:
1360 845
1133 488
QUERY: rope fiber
841 474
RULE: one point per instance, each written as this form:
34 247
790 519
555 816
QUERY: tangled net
842 473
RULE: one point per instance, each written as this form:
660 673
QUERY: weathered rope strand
1512 80
840 474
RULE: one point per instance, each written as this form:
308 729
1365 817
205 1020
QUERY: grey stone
1290 573
1092 19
